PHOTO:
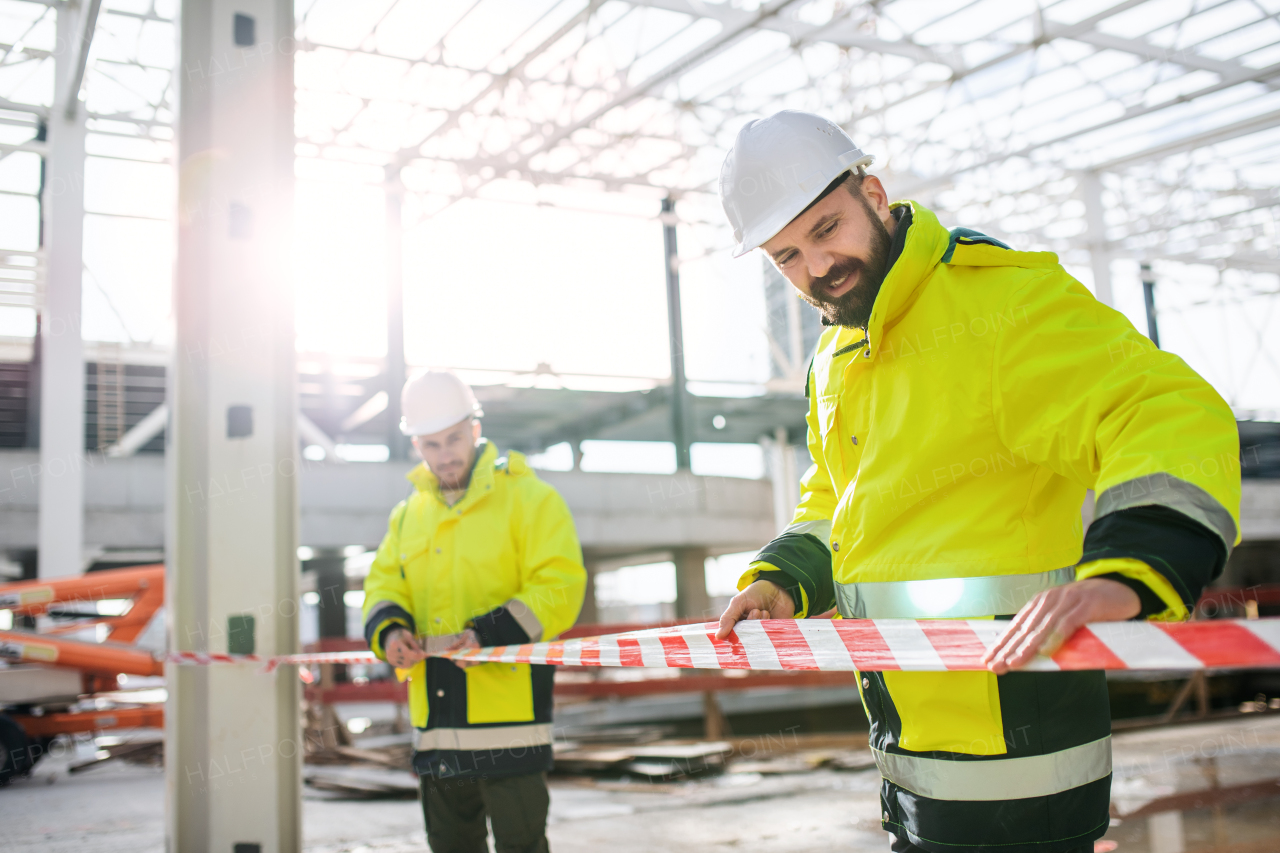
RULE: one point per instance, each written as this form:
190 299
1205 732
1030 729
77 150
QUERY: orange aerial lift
35 719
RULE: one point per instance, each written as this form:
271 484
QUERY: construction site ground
1196 788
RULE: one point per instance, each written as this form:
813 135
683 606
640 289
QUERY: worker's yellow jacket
505 561
953 441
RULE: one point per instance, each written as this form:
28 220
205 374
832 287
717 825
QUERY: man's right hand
761 600
402 649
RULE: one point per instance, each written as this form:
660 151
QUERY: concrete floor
118 807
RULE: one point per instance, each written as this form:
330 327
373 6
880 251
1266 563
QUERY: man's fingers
729 618
1052 634
1028 620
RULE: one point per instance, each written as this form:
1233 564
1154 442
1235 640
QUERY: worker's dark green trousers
455 811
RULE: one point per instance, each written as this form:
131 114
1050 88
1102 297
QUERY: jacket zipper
865 342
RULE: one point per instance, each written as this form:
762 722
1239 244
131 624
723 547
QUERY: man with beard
483 553
962 399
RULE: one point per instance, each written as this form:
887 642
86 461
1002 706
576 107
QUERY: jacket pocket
499 693
948 711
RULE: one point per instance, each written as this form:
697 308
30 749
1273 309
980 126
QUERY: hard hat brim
435 425
767 230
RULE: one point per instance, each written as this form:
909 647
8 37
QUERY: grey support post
232 742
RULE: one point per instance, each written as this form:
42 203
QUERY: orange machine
36 719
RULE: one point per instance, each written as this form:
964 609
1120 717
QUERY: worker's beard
853 309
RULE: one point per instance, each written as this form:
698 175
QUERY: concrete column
61 524
331 582
692 601
590 612
1096 222
232 742
781 459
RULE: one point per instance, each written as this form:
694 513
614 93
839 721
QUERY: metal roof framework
1144 130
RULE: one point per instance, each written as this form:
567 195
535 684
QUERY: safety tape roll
865 645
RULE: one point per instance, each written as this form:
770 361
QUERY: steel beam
87 24
232 746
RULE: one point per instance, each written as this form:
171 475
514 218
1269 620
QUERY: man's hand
466 640
1049 619
402 649
761 600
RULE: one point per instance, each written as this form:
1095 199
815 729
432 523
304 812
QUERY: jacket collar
925 244
481 474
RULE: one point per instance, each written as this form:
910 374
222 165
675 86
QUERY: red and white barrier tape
867 645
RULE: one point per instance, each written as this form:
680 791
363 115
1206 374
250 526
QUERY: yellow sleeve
1092 399
554 579
1082 393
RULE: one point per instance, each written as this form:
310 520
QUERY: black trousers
898 845
455 811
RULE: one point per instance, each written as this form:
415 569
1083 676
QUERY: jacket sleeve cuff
1172 555
382 618
792 587
1158 599
502 627
803 558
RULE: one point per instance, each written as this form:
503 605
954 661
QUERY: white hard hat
776 168
435 400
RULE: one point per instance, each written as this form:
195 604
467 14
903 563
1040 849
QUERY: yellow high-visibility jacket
505 561
953 441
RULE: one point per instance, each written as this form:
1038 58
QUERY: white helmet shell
776 168
435 400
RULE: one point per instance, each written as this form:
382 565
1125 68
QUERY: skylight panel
671 48
480 38
412 27
1245 40
341 23
1217 21
370 76
743 54
1142 19
978 21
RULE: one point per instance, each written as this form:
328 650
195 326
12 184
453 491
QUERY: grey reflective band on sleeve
820 528
523 614
484 737
950 598
1167 490
998 778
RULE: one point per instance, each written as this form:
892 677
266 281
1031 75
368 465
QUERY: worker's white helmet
776 168
435 400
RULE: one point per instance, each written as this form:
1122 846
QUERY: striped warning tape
866 645
908 644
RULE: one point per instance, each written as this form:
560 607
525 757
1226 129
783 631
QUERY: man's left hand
466 640
1051 617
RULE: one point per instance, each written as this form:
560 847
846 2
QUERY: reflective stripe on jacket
504 560
953 443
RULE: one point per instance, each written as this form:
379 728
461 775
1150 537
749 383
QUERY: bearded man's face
836 253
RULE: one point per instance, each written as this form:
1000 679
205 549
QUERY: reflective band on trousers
953 598
486 737
998 778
